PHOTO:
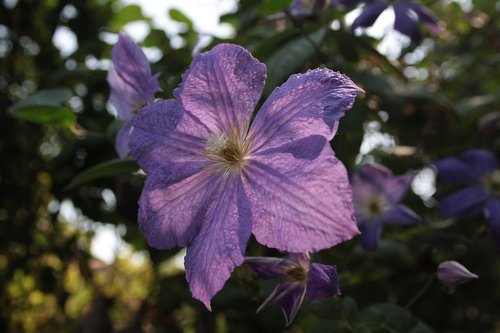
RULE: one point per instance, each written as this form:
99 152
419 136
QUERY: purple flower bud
452 273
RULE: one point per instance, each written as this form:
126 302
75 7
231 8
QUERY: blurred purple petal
405 24
483 161
222 87
122 140
131 82
300 205
401 215
455 171
267 268
307 104
159 137
424 15
493 214
322 282
370 234
220 244
453 273
369 15
173 202
464 203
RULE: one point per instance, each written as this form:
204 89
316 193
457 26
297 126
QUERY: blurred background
71 256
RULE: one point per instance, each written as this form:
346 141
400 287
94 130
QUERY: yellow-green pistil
229 152
296 273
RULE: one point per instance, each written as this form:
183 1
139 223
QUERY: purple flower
215 176
407 15
452 273
299 278
376 197
132 86
478 171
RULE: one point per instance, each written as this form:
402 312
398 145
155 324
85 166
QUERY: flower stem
420 293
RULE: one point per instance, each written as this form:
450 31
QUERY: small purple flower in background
376 197
215 177
407 16
452 273
478 170
299 278
132 86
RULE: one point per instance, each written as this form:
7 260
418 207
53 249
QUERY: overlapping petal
369 15
464 203
298 199
267 268
370 234
164 133
174 202
322 282
222 87
132 84
220 244
122 140
307 104
405 24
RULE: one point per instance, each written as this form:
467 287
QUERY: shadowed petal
369 15
130 79
300 205
424 15
457 171
482 161
405 24
307 104
162 133
174 199
122 139
267 268
452 273
493 212
381 180
222 87
290 303
401 215
219 246
370 234
322 282
464 203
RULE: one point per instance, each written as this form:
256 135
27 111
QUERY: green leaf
390 318
105 169
47 97
179 16
45 107
273 6
126 15
46 114
290 58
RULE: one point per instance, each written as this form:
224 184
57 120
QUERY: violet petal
220 244
370 234
290 303
493 212
122 139
267 268
222 87
173 202
369 15
300 205
307 104
464 203
322 282
401 215
405 24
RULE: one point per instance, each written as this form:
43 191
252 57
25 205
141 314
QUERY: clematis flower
215 176
299 278
452 273
478 171
407 15
376 196
132 86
